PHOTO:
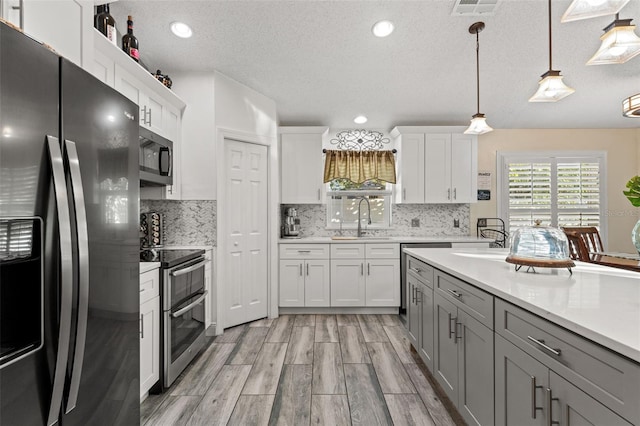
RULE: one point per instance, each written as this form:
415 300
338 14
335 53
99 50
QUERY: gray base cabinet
413 310
426 345
463 361
420 309
528 393
500 364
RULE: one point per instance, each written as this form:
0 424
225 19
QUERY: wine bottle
107 25
130 42
96 18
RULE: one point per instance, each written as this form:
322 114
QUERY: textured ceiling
322 66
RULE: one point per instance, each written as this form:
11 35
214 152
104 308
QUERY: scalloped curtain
360 166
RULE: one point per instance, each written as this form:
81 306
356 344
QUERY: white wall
623 162
243 114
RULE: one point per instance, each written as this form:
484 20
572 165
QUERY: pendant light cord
478 70
550 67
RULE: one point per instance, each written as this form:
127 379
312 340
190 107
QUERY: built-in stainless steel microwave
156 159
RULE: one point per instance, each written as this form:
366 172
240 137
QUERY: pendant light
584 9
551 88
619 44
631 106
478 124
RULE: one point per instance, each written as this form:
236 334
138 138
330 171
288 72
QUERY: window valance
359 166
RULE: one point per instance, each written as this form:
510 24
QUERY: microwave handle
165 171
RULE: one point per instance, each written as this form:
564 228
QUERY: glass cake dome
542 246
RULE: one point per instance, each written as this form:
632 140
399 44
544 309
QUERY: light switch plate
415 223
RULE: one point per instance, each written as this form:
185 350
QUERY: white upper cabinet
301 165
410 178
65 25
436 165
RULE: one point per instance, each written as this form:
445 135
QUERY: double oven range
182 298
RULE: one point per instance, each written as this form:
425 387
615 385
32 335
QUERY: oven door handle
190 305
189 269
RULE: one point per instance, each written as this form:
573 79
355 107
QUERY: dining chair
577 249
589 236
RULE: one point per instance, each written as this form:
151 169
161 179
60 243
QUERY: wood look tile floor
303 370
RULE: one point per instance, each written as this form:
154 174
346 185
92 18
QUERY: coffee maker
291 228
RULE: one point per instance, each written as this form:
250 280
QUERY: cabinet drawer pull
304 251
449 194
368 268
454 293
556 352
142 326
418 296
550 399
452 331
362 269
301 269
416 270
307 269
413 294
454 193
319 194
534 406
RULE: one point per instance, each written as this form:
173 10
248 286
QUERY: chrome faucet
359 234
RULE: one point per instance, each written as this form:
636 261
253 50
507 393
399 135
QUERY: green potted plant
633 194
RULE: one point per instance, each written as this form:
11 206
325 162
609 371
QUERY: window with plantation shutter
559 189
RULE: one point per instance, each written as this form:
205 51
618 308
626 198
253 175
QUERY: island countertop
599 303
385 239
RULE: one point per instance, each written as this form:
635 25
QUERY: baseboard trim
338 310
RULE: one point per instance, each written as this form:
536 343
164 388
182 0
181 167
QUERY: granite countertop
597 302
375 239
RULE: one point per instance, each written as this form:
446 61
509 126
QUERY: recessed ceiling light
181 29
361 119
382 28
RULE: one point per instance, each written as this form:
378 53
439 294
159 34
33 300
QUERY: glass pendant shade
585 9
619 44
631 106
478 126
551 88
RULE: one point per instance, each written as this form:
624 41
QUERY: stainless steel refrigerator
69 245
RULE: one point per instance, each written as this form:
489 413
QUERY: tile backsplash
435 219
191 223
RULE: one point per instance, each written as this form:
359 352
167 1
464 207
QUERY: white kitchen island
525 348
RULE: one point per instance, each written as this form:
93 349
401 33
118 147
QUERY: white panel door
437 168
246 228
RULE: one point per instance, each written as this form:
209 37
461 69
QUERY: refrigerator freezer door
103 126
29 100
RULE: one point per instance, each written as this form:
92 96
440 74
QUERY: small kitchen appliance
291 228
151 230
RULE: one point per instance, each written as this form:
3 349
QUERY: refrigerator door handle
66 277
71 154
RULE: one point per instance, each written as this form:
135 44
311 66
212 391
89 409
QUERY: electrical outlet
482 222
415 223
456 223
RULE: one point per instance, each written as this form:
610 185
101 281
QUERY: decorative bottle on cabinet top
130 42
106 24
